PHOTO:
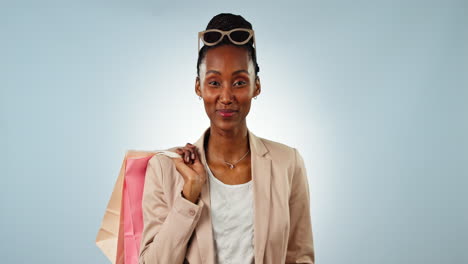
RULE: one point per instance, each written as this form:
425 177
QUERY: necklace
231 166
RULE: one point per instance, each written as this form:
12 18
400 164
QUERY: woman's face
227 82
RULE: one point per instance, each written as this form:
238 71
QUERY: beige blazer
179 231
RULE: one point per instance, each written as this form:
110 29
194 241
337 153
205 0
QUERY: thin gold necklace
231 165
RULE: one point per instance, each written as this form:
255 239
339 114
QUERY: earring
255 97
199 97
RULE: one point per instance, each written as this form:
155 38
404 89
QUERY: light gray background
372 93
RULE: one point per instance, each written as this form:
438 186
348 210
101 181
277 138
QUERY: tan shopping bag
110 237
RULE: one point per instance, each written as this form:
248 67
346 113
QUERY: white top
232 214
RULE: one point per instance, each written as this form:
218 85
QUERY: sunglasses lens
240 35
211 37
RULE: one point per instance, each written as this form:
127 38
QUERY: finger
186 155
197 156
189 153
181 153
191 146
192 153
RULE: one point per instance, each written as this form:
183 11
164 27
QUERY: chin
226 124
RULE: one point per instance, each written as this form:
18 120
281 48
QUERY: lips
227 110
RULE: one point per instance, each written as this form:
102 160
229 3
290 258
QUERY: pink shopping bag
120 233
133 216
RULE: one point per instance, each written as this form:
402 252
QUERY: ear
197 86
258 86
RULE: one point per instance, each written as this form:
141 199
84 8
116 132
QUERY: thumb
199 168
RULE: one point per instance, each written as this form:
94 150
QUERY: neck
228 145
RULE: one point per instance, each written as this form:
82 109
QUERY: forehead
227 56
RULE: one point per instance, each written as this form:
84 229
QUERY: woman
231 197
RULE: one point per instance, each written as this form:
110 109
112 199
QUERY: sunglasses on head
238 36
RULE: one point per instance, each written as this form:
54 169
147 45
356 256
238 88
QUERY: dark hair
228 21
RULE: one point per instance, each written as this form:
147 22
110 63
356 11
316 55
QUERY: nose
226 95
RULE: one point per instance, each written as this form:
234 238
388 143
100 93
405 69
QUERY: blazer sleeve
300 243
166 229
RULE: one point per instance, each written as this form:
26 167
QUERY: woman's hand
192 170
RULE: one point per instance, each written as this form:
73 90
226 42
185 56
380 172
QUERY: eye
241 83
213 83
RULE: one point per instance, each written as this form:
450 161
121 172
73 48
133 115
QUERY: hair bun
228 21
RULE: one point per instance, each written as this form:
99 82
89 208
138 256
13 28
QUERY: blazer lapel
261 177
204 230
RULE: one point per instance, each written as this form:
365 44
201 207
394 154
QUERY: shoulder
162 161
280 152
275 145
163 167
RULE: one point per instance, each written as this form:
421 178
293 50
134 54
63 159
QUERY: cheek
246 109
243 96
210 96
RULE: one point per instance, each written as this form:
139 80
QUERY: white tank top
232 219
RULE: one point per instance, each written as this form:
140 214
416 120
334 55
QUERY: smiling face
227 84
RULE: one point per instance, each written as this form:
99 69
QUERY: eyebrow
236 72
